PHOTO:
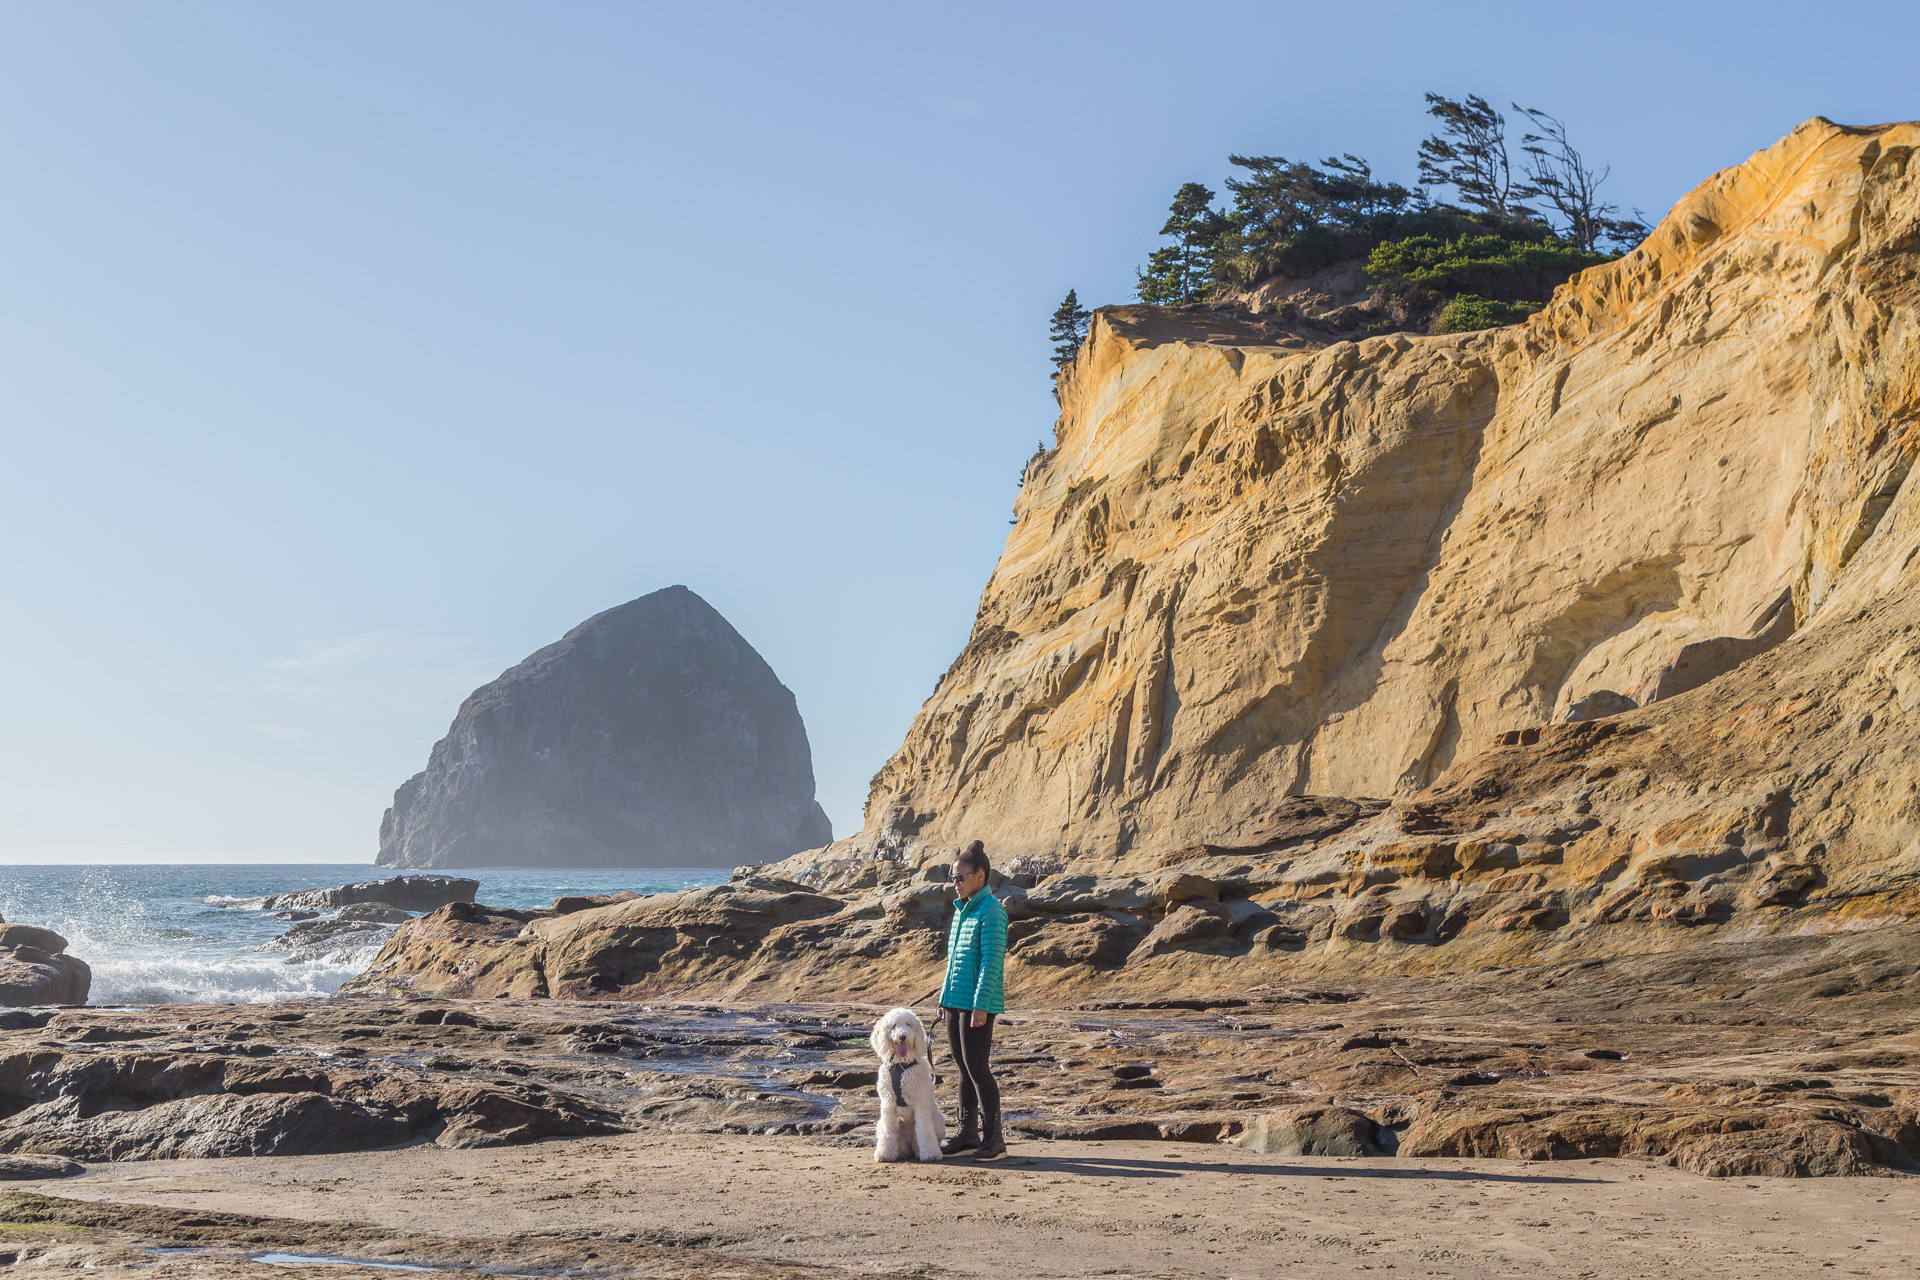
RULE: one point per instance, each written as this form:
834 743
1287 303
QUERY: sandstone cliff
1254 569
1594 636
649 735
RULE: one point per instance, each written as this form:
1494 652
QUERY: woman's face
967 881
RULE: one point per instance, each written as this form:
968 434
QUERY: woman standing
971 998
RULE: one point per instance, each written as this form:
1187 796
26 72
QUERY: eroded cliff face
1590 638
1254 568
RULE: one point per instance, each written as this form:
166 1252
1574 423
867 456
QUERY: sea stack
651 735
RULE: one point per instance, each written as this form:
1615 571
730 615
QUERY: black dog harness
897 1073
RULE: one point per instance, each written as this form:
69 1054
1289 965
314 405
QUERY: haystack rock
650 735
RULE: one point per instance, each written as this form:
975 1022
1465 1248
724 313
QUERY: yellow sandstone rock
1253 569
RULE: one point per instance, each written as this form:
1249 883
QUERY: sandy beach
665 1204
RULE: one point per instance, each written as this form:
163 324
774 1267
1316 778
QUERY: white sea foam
164 934
241 980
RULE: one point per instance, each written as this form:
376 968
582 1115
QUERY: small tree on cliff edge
1561 176
1469 154
1182 272
1069 330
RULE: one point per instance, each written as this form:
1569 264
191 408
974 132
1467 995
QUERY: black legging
971 1048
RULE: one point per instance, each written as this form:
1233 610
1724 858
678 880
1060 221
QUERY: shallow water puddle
328 1259
303 1258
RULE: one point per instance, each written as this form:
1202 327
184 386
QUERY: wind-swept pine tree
1182 272
1069 330
1562 177
1469 154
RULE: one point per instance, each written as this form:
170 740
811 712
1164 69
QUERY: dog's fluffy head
899 1037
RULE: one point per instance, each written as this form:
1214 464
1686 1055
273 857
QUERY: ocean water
194 933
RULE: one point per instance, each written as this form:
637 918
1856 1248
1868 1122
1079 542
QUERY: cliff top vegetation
1491 229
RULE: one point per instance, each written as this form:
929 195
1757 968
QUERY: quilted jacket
976 953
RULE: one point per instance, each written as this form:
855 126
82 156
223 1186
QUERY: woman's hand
979 1018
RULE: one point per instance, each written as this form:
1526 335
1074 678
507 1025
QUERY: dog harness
897 1074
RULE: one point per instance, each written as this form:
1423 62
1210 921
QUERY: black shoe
966 1140
993 1146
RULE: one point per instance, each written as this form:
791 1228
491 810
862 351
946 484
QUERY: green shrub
1469 312
1443 264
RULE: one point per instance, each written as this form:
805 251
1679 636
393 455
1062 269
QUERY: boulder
1311 1131
1090 941
26 935
1170 889
212 1126
28 1168
30 976
311 939
373 913
410 893
650 735
1248 919
1816 1149
1080 894
916 905
161 1105
1182 927
1784 885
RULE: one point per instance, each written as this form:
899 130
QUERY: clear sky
351 352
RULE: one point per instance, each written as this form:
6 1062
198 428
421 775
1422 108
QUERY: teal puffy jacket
976 954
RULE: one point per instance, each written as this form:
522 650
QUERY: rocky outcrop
169 1100
409 893
650 735
1742 1053
35 969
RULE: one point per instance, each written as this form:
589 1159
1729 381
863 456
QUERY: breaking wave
166 934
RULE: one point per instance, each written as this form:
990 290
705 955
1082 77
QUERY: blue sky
351 352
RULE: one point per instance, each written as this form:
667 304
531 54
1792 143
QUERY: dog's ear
879 1039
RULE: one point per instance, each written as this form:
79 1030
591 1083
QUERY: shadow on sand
1114 1167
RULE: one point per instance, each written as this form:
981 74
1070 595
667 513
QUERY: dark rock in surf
650 735
373 913
410 893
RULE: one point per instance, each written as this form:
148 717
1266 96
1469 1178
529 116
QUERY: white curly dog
911 1126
